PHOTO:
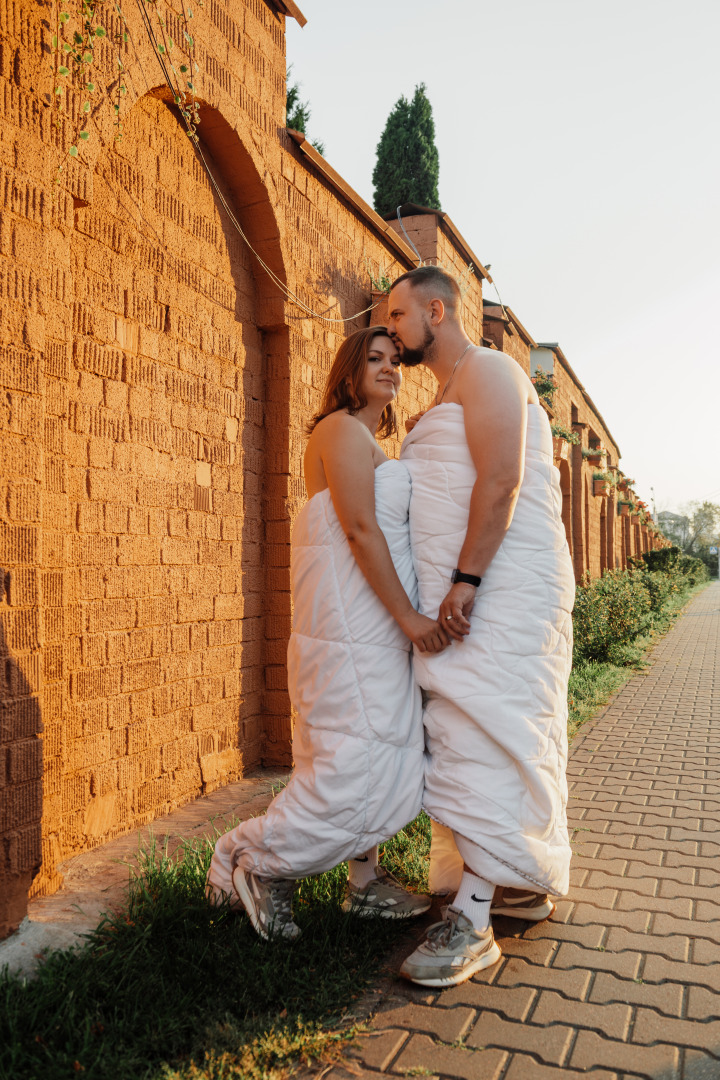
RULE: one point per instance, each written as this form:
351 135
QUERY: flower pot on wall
601 487
379 313
624 510
561 448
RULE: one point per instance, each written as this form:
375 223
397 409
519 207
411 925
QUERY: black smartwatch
468 579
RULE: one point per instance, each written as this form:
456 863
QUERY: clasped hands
452 623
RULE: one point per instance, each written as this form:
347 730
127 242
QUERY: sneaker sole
241 888
534 914
365 911
485 961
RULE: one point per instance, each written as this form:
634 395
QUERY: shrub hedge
613 610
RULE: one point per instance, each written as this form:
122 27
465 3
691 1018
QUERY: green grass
172 988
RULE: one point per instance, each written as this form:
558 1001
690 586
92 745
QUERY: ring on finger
449 617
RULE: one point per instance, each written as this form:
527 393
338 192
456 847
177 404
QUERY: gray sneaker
267 902
384 896
522 904
451 953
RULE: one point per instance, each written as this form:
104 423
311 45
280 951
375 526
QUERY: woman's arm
347 457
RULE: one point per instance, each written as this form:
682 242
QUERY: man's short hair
436 284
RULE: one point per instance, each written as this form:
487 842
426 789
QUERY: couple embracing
446 571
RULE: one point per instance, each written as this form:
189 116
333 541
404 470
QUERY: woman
358 742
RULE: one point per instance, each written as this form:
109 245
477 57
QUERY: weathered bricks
447 1024
421 1054
550 1044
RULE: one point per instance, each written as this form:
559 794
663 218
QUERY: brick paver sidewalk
624 981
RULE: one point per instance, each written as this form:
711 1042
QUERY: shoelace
389 880
441 934
281 892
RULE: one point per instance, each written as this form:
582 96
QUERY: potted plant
624 507
602 483
545 385
595 455
563 439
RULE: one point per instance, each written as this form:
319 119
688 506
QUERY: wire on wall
288 293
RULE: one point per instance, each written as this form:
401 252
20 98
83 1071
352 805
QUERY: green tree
297 112
408 164
695 530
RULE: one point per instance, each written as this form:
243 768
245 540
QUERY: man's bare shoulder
489 367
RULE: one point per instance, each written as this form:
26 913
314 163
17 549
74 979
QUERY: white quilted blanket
496 711
358 741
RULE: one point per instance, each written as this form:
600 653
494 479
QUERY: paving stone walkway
624 981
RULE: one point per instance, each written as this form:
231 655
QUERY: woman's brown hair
342 389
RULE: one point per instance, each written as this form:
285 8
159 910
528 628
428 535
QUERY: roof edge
291 9
588 400
403 250
508 315
410 209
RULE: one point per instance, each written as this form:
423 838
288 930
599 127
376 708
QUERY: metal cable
223 201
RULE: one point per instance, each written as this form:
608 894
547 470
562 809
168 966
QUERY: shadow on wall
21 791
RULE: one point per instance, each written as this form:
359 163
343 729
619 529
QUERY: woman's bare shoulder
340 427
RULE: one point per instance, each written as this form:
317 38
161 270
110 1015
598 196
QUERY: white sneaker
267 902
522 904
452 952
384 896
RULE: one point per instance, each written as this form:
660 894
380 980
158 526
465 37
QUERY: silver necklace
453 372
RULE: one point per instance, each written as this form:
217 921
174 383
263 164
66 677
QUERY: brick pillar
277 498
578 531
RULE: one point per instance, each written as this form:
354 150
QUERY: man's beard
421 354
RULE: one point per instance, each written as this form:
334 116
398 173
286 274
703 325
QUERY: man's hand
427 634
412 421
455 610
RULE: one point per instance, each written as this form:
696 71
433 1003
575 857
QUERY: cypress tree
297 112
408 164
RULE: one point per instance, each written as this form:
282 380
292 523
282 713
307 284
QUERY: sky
580 157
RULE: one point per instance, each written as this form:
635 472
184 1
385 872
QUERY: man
494 568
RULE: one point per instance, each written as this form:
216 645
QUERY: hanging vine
78 31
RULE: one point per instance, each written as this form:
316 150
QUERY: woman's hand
454 614
427 634
412 421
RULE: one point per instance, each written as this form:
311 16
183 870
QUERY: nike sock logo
477 901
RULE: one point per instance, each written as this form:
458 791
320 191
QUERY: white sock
361 871
473 899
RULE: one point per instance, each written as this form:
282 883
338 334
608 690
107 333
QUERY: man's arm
494 402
